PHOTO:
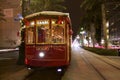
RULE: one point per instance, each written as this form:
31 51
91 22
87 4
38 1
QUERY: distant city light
75 43
82 32
102 41
78 37
81 28
107 24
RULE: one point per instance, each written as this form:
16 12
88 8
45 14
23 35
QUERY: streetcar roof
52 13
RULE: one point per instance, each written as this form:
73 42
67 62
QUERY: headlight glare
41 54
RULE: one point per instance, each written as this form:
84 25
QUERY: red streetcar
47 39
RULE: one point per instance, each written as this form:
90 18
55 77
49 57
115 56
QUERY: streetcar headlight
41 54
59 70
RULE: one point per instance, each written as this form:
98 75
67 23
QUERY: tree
93 7
90 4
33 6
86 23
92 19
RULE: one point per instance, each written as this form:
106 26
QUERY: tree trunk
93 34
82 40
104 26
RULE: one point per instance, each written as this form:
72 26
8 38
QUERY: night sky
73 7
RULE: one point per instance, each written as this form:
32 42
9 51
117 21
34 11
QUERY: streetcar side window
43 31
58 31
30 34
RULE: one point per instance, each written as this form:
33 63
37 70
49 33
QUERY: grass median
101 51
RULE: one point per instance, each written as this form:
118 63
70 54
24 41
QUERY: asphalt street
84 65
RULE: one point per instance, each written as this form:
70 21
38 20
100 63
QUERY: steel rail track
114 66
91 65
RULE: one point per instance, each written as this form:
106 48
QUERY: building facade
9 29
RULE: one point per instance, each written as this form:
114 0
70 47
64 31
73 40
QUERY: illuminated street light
107 24
82 28
82 32
102 41
78 37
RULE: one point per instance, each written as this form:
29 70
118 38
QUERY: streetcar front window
50 31
58 31
43 31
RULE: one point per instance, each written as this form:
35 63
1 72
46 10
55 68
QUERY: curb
8 50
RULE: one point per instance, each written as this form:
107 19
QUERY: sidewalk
18 75
9 69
